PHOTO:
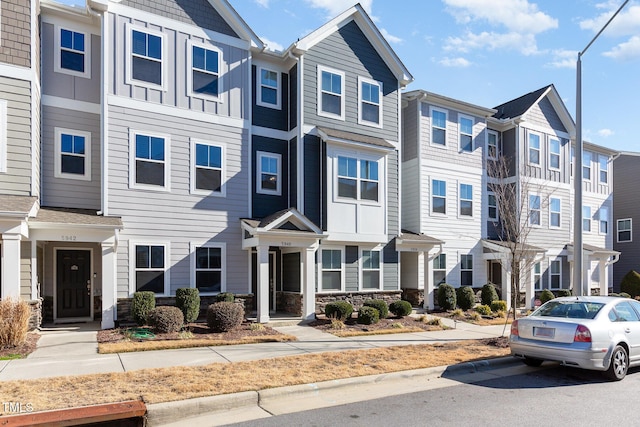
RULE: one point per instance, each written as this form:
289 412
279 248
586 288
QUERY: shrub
380 305
224 316
143 302
466 297
483 310
340 310
337 324
188 300
14 322
475 316
498 305
564 292
431 321
166 319
488 294
546 295
501 314
625 295
631 283
457 313
400 308
446 296
368 315
225 296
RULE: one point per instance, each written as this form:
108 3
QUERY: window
370 102
466 134
369 180
348 179
438 196
370 269
555 205
534 209
145 56
207 176
537 276
573 157
534 149
492 145
330 93
3 135
555 275
149 161
466 270
440 269
268 88
438 127
492 206
331 269
624 230
466 200
604 169
586 165
586 219
209 261
554 154
204 75
150 268
73 154
268 180
71 54
603 217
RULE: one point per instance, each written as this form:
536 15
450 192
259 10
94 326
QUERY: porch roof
50 216
501 246
409 241
289 223
344 137
593 250
17 206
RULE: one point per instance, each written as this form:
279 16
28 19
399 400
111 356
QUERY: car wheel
619 364
530 361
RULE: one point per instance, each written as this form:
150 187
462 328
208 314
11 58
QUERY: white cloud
605 133
458 62
271 45
263 3
625 51
336 7
390 38
563 58
523 43
625 24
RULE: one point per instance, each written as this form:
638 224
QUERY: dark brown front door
73 283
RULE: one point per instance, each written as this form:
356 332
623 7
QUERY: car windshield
571 309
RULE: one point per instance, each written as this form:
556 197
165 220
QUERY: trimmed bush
488 294
368 315
224 316
483 310
446 297
188 301
225 296
631 283
166 319
498 305
141 304
564 293
340 310
380 305
466 298
400 308
546 295
14 322
625 295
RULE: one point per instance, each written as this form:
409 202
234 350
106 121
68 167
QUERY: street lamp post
579 287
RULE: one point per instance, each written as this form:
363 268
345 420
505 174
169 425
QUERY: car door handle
627 330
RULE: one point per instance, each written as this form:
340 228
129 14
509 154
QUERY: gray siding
410 122
411 196
15 32
291 272
25 270
393 201
390 269
266 204
293 97
271 117
313 177
64 192
543 114
626 176
351 265
293 173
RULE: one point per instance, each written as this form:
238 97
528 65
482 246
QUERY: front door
495 272
73 283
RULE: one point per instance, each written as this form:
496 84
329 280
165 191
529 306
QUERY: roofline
421 94
233 18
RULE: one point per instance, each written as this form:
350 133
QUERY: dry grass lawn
178 383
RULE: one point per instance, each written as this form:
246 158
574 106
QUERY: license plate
543 332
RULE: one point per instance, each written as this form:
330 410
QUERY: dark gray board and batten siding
626 176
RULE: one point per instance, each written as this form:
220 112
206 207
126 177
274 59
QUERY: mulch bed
351 324
24 349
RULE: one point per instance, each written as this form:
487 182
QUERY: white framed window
492 207
572 160
624 230
603 162
371 269
586 219
603 220
3 135
534 209
537 276
331 271
369 102
268 90
207 168
149 160
466 200
555 274
438 127
586 165
465 131
438 196
440 269
466 270
554 154
358 179
146 53
204 63
534 149
72 52
72 154
555 210
208 267
330 93
149 270
492 145
269 174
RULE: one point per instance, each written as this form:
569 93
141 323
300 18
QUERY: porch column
586 276
425 276
308 283
10 266
263 283
109 288
529 291
603 279
506 283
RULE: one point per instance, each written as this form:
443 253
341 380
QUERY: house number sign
69 238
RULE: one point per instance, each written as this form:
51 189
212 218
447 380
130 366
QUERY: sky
487 52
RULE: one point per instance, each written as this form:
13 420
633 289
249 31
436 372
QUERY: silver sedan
599 333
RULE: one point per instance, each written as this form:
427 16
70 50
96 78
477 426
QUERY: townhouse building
626 175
